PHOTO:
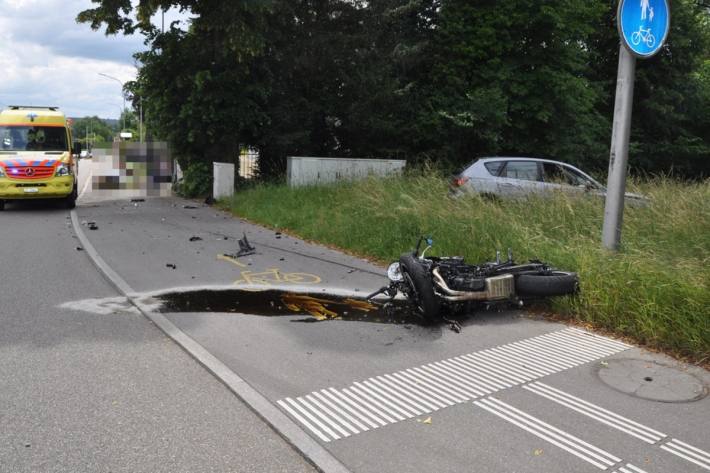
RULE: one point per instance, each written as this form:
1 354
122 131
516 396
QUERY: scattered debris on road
189 206
93 226
195 238
78 248
137 200
171 266
454 325
245 248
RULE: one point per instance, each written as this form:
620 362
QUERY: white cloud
46 58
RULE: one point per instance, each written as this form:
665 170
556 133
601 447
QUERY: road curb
311 450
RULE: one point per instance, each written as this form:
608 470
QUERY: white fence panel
303 171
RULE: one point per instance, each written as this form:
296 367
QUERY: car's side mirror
77 149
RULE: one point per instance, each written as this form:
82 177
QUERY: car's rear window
494 167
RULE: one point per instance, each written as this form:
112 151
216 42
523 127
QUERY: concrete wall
308 171
223 182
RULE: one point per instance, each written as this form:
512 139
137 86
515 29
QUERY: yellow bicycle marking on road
274 275
270 276
231 260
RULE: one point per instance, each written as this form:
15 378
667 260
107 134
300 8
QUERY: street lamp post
123 112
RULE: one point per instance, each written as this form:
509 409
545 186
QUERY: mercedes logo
29 172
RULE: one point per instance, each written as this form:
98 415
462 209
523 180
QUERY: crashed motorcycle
434 284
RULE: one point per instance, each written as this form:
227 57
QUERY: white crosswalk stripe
688 452
587 452
595 412
331 414
629 468
623 424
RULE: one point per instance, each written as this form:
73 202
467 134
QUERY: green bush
196 180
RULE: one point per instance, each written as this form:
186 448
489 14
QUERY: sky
47 58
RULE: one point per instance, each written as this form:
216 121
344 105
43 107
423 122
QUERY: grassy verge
654 291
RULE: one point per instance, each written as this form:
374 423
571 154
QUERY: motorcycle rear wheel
556 283
421 286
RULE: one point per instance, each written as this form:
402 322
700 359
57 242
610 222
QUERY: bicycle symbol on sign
643 35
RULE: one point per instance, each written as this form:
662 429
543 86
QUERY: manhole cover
651 380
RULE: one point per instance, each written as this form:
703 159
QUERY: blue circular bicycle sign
644 25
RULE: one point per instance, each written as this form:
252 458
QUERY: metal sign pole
616 183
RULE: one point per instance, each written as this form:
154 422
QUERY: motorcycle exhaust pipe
457 296
497 288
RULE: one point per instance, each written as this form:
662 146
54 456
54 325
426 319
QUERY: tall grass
655 290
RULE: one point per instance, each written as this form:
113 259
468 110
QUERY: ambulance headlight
63 170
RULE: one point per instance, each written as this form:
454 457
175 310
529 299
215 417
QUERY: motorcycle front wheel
555 283
421 287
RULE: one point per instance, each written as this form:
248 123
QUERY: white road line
629 468
318 413
560 354
479 372
368 407
341 412
412 404
464 386
303 421
635 429
568 443
473 380
318 402
364 395
364 414
477 359
589 337
441 386
511 365
551 362
419 390
421 385
592 450
595 412
680 449
388 399
568 343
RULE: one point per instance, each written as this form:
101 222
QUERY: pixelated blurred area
131 170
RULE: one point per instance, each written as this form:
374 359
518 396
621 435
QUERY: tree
446 80
90 130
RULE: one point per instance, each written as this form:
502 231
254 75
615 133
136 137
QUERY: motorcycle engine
460 276
462 283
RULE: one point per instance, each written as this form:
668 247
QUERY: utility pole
123 112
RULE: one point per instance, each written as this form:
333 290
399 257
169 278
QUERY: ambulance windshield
33 138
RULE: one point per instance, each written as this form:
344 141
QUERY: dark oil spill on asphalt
275 303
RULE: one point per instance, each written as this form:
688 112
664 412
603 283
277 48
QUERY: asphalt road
105 390
510 393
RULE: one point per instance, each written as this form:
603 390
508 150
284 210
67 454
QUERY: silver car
518 177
